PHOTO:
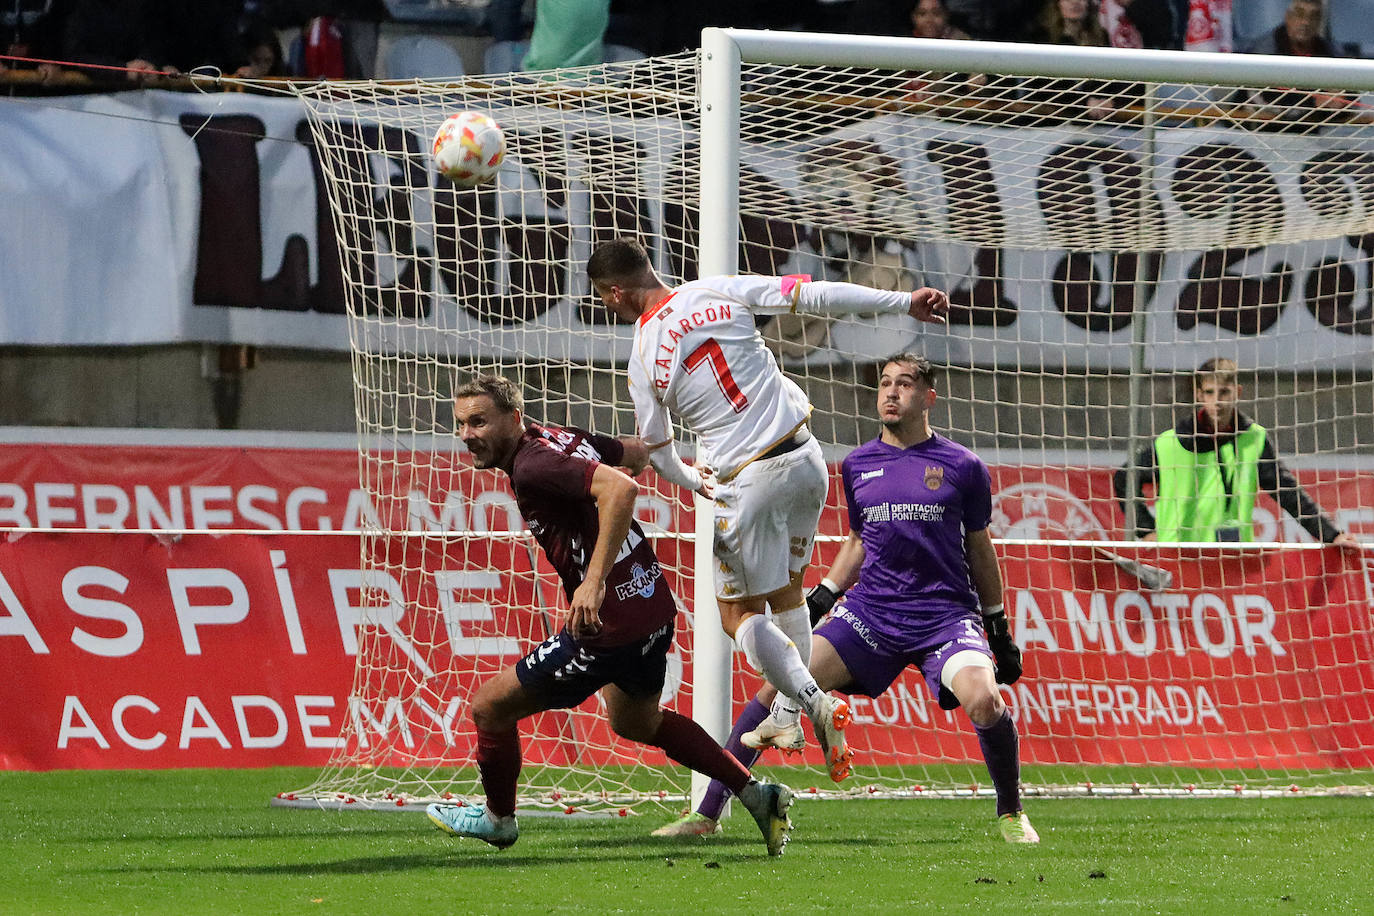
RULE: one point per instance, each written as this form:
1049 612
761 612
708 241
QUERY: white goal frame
723 51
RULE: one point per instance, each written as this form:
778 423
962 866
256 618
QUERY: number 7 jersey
698 356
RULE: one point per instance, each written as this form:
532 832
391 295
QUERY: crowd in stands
147 39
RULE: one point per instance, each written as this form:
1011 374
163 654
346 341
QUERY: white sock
796 623
775 657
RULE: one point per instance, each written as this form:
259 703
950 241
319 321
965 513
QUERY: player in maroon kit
619 624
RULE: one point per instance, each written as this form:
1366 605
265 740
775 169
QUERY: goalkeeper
924 565
619 624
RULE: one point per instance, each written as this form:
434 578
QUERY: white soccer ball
468 148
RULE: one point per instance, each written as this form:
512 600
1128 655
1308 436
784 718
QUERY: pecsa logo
1043 511
642 582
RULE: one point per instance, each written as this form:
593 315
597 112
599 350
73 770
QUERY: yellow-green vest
1193 499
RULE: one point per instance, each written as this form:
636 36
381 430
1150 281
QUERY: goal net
1104 223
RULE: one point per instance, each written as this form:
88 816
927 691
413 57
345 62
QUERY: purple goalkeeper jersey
911 508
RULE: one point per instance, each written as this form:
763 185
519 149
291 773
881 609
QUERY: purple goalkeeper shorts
874 662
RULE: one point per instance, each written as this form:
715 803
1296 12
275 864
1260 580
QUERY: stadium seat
504 56
420 56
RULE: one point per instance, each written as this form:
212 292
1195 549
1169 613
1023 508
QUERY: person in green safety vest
1208 469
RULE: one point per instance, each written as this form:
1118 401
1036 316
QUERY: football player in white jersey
698 357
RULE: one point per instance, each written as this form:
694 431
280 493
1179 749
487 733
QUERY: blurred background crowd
141 40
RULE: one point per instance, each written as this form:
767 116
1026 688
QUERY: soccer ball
468 148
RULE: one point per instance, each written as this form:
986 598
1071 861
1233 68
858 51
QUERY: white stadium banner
157 217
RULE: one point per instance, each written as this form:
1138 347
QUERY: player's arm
628 452
826 297
1148 473
635 458
656 432
1280 483
844 572
798 293
670 466
986 575
614 493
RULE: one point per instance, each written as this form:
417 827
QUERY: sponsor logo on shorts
858 626
642 582
935 477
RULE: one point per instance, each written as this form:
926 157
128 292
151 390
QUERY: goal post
1181 87
1104 222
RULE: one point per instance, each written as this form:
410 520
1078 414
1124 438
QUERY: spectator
930 19
567 33
1208 26
1208 469
1075 22
1069 22
262 54
153 36
185 36
1302 33
31 29
1120 20
109 33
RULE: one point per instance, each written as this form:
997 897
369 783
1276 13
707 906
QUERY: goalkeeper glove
821 599
1005 652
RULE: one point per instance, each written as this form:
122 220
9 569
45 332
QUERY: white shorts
766 520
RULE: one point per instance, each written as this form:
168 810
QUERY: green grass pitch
206 841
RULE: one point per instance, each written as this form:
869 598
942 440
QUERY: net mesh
1099 239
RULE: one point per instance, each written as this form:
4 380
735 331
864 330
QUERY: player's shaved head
505 395
622 262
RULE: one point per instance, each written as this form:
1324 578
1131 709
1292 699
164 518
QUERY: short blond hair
504 393
1218 368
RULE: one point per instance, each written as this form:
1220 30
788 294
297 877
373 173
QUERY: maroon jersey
551 475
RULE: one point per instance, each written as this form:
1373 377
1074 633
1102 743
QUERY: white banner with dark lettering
155 217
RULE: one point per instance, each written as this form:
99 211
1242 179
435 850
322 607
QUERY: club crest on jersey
935 477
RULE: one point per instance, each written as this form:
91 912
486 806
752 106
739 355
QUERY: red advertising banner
147 651
239 649
1258 658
